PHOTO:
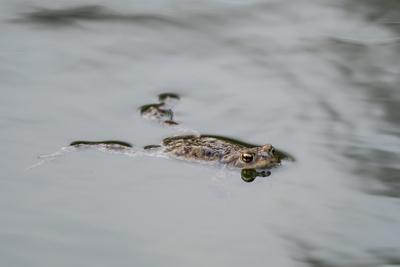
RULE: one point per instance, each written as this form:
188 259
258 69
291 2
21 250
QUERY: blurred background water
317 78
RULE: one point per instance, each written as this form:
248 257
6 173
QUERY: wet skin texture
211 148
253 160
162 111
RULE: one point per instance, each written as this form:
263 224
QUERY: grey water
319 79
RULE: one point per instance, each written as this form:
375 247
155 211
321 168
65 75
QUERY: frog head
260 157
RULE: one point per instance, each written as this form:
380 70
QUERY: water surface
319 79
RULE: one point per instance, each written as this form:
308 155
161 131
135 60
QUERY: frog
211 148
253 160
222 150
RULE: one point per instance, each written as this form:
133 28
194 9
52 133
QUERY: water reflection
384 12
69 16
249 175
367 68
319 79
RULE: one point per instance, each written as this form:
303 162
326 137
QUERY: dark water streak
70 16
377 163
362 66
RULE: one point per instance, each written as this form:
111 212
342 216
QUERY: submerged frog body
215 149
162 111
251 159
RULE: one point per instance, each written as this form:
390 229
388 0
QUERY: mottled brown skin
156 112
162 111
213 149
252 159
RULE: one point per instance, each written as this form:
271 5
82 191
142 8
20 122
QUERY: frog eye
272 150
247 157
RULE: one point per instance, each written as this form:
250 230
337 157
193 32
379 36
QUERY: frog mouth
268 164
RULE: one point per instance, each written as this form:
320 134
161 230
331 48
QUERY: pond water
319 79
